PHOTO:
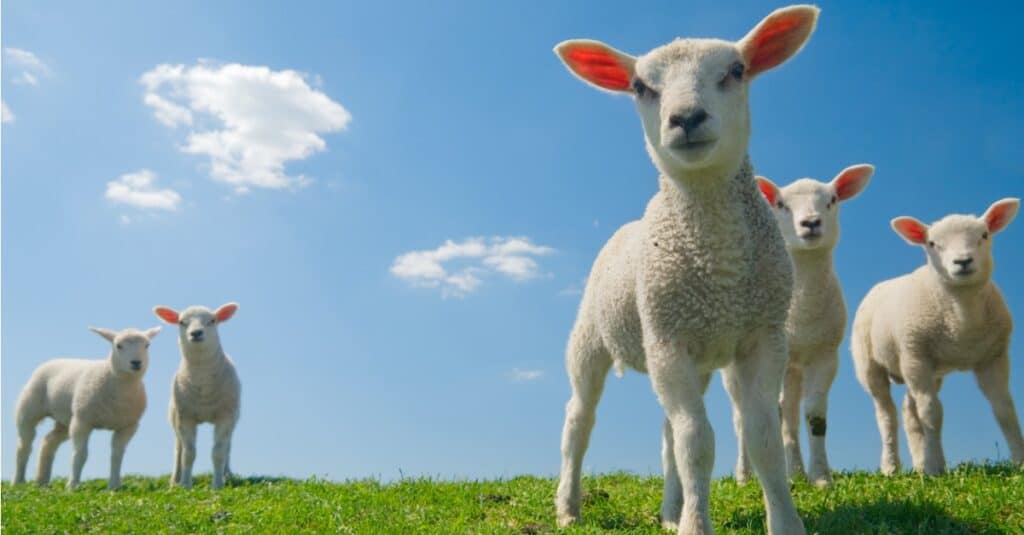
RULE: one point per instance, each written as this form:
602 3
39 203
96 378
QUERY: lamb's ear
769 190
105 333
151 333
852 180
1000 214
598 64
225 312
912 230
778 37
167 314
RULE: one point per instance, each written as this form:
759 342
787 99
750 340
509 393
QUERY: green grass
970 499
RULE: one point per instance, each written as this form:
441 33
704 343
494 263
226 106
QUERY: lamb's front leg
753 382
80 443
680 389
994 381
818 377
789 407
923 393
118 442
221 447
186 435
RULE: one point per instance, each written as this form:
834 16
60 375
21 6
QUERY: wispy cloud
519 376
139 190
248 120
8 115
25 66
511 257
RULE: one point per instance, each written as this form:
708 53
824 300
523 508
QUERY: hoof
566 520
823 482
670 525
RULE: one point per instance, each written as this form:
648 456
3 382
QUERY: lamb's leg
680 389
818 377
915 432
26 434
672 498
922 387
742 470
47 449
876 380
994 381
221 447
80 443
753 382
186 432
588 366
789 404
118 442
176 473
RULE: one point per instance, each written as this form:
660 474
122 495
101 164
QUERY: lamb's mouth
810 236
687 146
966 272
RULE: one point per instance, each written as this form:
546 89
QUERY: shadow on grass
879 517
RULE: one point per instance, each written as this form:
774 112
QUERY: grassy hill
970 499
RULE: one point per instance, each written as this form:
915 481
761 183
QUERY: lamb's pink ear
778 37
167 314
768 189
912 230
1000 214
852 180
598 64
225 312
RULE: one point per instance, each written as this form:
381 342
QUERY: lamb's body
82 395
716 250
944 317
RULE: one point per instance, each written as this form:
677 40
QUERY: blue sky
381 129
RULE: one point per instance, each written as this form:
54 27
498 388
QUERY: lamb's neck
967 302
812 267
707 187
203 358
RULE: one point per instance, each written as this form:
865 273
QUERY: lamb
808 215
702 281
82 395
945 316
205 389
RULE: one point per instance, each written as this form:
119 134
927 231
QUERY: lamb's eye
119 346
736 71
780 205
643 90
984 235
182 323
931 244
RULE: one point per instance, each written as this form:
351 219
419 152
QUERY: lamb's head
959 247
692 93
129 353
197 325
808 210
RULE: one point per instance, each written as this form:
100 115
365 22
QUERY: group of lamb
727 271
82 395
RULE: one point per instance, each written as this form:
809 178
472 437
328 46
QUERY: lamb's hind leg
753 381
47 449
994 381
789 407
26 434
588 364
875 380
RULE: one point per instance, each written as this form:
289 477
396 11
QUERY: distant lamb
702 281
943 317
808 214
82 395
205 389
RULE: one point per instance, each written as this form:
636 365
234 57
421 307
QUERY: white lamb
82 395
205 389
702 281
943 317
808 214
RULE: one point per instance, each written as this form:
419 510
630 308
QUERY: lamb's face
197 325
129 352
959 247
808 211
692 98
692 93
959 250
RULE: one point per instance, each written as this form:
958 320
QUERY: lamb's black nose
964 262
689 120
811 224
136 364
196 335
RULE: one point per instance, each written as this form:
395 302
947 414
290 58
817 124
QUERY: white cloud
518 375
139 190
27 66
508 256
8 115
248 120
